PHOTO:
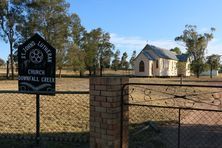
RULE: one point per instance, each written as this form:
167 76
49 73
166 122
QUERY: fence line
174 115
63 117
174 127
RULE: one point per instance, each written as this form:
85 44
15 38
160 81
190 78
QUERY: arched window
141 66
157 64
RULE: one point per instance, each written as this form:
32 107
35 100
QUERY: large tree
104 52
214 62
75 58
124 63
77 30
116 61
51 21
90 47
11 18
98 50
75 54
196 44
176 50
132 59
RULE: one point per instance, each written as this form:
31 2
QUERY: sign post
36 71
37 137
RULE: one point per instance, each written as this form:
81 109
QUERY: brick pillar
105 113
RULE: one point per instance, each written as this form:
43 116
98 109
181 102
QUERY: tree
176 50
116 61
104 53
214 62
77 30
75 53
220 69
11 18
75 58
90 45
2 62
196 45
132 59
98 50
51 21
124 63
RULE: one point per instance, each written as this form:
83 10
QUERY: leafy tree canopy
176 50
132 59
196 44
116 60
124 63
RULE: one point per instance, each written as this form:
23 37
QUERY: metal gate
174 116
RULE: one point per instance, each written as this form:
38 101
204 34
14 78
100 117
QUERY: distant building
183 65
208 72
155 61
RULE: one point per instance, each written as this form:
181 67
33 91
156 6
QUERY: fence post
37 136
105 113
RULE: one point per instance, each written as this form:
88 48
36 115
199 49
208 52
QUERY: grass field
82 84
63 115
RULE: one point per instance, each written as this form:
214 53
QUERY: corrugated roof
183 57
149 56
153 52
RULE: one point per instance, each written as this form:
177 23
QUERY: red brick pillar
105 113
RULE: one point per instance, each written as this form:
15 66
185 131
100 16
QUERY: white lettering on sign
37 79
48 51
28 78
25 49
48 79
36 72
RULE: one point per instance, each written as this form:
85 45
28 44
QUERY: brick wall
105 113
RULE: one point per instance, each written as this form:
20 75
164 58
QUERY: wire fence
174 116
63 117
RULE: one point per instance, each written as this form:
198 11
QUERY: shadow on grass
165 135
47 140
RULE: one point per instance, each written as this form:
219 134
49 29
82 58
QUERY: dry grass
63 84
82 84
65 115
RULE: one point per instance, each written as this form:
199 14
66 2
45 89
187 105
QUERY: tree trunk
94 72
60 73
12 61
80 73
198 73
211 71
90 72
101 71
7 70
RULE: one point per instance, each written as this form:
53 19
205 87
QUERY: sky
134 23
